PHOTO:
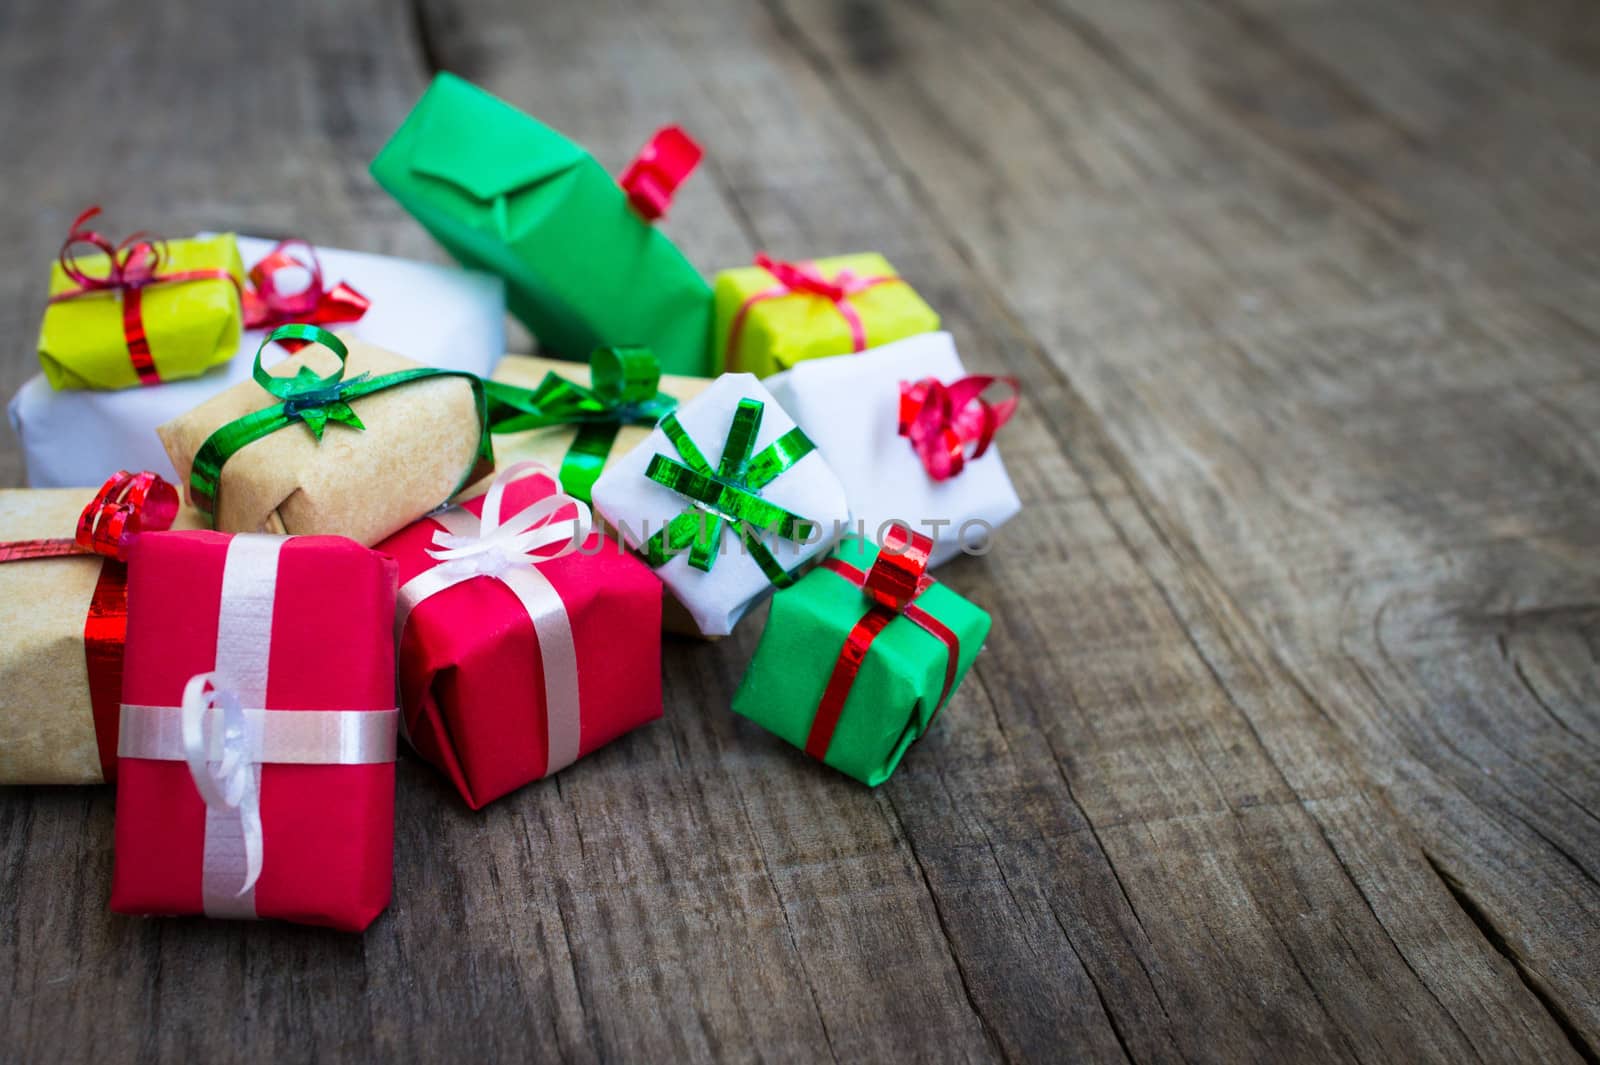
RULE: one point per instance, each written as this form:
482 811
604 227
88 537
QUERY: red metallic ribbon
895 581
130 267
661 166
940 420
805 278
267 306
127 504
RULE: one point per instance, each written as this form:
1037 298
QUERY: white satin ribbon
224 735
509 552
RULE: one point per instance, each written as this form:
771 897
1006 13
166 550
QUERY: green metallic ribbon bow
315 399
623 390
731 492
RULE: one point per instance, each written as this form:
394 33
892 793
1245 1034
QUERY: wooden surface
1286 743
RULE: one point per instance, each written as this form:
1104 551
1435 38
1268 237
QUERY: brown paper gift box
47 729
419 439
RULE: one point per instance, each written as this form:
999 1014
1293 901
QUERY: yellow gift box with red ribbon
139 312
774 314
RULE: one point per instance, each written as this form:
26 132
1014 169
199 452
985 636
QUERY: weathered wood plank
1284 743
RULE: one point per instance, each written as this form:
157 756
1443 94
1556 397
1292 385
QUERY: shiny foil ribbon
730 492
804 278
898 576
315 400
131 266
511 552
126 505
652 179
221 731
942 420
267 305
624 389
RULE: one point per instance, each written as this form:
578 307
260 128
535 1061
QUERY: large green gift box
906 673
775 314
505 193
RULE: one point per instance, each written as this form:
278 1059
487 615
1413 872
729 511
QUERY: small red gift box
525 641
256 752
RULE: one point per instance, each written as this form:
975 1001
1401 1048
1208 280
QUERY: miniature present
772 315
140 312
911 435
437 315
407 438
63 611
257 744
721 537
526 642
505 193
859 657
576 418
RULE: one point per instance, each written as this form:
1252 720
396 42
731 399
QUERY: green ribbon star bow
315 399
730 493
623 390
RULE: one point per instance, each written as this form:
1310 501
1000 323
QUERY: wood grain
1286 743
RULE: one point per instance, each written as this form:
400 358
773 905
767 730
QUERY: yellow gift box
90 340
775 314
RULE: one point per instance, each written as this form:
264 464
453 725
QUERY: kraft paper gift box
850 407
62 618
505 193
148 312
437 315
859 657
396 441
531 643
256 755
568 445
726 499
775 314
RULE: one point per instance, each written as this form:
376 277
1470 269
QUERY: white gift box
437 315
638 507
849 406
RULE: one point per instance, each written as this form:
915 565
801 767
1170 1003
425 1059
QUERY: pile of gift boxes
332 519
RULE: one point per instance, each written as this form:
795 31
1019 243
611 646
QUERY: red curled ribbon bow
804 278
267 306
130 267
126 505
652 179
897 578
940 420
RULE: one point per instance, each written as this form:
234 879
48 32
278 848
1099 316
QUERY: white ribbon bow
511 552
232 783
496 546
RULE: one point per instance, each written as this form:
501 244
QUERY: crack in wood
1531 980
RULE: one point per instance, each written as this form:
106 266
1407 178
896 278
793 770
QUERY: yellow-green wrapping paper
779 332
191 326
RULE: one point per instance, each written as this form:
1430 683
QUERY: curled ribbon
729 493
661 166
131 266
624 390
315 400
511 551
267 305
126 505
941 420
805 278
231 784
897 578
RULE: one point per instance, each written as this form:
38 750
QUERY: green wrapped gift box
799 685
505 193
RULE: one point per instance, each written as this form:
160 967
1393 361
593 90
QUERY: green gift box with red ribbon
860 656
